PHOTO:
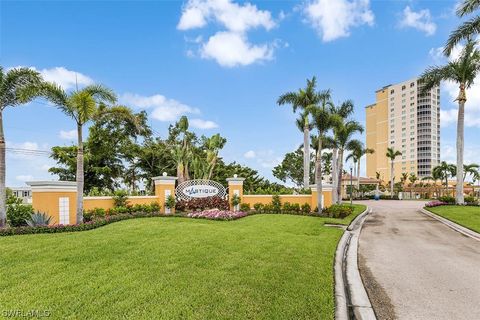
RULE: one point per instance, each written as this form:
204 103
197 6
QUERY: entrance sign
199 188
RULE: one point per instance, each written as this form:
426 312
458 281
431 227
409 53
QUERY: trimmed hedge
58 228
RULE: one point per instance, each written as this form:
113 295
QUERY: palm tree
323 121
470 169
17 86
468 29
462 71
403 177
301 100
444 171
343 135
83 106
356 156
343 111
392 154
213 144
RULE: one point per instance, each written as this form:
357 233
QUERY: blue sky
223 63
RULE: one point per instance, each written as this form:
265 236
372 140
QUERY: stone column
164 187
58 199
235 187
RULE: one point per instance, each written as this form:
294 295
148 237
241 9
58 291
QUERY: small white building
24 193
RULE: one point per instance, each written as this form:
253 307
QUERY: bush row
97 213
202 204
58 228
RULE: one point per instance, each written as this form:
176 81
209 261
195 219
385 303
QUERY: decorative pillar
58 199
235 187
327 190
164 187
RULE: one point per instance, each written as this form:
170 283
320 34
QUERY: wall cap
160 178
45 186
235 179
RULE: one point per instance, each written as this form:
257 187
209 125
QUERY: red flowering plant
215 214
198 204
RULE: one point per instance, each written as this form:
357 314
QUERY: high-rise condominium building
407 120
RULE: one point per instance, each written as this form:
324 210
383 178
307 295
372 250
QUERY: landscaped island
467 216
270 266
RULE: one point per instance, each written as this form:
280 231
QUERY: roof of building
363 180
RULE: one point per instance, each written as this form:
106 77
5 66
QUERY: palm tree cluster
461 70
334 135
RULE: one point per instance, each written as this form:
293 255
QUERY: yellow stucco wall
160 188
377 136
107 202
48 202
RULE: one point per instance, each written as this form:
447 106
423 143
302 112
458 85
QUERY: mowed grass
258 267
467 216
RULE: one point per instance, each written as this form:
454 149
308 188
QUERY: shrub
258 207
471 201
286 208
447 199
198 204
276 203
245 207
39 219
235 201
306 209
435 203
217 214
18 214
170 202
120 198
338 211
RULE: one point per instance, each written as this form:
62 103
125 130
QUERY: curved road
414 267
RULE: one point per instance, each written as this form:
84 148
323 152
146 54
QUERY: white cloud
24 178
334 19
234 17
232 49
164 109
420 20
67 79
229 47
202 124
250 154
450 90
68 135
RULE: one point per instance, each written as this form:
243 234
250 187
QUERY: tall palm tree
356 155
343 111
17 86
470 169
444 170
213 144
301 100
323 121
392 154
468 29
463 71
83 106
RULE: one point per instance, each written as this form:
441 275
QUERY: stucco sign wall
199 188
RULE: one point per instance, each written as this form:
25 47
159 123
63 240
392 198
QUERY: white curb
452 225
351 299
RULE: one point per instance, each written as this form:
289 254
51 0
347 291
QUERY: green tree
82 105
462 71
212 146
17 86
357 152
392 154
466 30
302 99
291 168
470 169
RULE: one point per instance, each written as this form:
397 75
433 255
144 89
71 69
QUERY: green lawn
467 216
258 267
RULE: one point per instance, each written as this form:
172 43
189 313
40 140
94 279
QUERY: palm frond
467 7
467 30
100 93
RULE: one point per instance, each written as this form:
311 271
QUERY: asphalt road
414 267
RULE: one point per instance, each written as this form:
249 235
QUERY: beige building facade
407 120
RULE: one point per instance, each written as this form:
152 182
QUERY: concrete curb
452 225
351 299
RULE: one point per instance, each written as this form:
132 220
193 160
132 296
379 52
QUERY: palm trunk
334 175
392 178
3 192
358 176
460 143
306 155
318 181
339 175
79 175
